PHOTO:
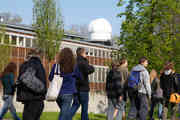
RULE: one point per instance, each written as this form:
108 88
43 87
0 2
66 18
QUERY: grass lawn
54 116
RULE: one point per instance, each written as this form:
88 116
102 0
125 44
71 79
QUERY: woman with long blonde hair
157 94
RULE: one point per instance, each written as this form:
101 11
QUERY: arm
161 82
12 79
85 67
147 83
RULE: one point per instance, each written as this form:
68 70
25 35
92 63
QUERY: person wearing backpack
169 85
139 90
8 81
157 95
31 86
116 90
82 84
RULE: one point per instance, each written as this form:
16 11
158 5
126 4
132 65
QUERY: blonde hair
153 75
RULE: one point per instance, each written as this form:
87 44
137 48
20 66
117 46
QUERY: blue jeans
82 98
64 103
8 105
111 108
160 107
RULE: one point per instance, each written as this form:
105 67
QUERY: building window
91 52
33 42
100 53
21 41
14 40
103 56
103 75
99 75
95 52
95 75
6 39
28 42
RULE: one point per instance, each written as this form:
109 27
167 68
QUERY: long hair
66 60
122 61
10 68
153 75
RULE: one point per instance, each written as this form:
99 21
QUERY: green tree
48 24
5 50
150 30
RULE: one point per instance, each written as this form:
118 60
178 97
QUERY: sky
74 11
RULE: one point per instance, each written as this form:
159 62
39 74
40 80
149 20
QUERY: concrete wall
97 104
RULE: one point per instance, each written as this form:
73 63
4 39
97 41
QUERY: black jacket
115 86
169 85
85 69
23 93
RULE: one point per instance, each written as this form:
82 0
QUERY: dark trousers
64 102
82 98
33 110
134 104
139 105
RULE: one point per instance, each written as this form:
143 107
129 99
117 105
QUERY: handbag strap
57 69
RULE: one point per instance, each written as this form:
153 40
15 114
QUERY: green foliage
5 50
150 29
48 24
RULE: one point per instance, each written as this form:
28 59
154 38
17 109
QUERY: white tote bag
55 85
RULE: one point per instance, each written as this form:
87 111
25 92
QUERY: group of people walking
144 90
32 93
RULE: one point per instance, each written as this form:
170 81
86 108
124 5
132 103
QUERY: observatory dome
100 30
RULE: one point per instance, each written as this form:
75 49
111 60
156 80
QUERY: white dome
100 30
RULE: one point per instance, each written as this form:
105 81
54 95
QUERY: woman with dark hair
121 78
116 90
64 100
8 82
169 85
82 84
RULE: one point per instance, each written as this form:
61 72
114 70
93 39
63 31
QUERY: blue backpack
134 80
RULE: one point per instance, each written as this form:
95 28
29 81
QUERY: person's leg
64 102
110 110
39 109
84 101
124 115
75 105
132 111
160 110
165 110
33 110
152 108
143 107
4 109
12 109
121 110
174 109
